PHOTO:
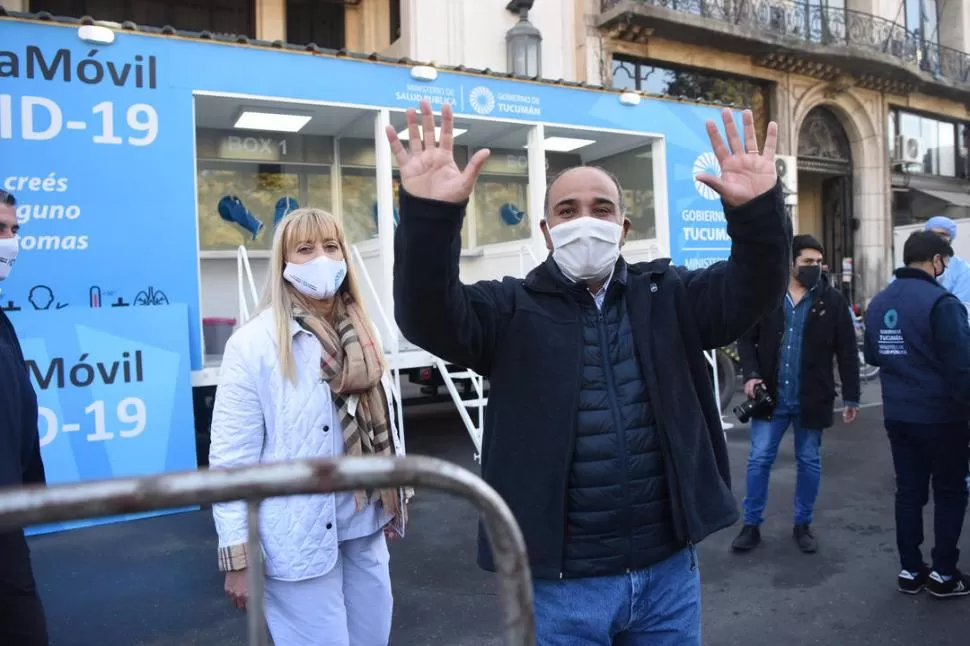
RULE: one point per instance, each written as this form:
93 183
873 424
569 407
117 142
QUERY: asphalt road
154 582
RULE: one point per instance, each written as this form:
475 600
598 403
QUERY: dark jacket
20 461
918 335
618 514
526 337
829 331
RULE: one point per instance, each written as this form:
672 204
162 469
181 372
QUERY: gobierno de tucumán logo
481 100
706 163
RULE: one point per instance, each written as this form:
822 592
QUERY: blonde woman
305 378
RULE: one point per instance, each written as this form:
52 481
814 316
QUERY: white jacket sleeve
236 440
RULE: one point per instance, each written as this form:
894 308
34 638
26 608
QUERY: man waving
602 432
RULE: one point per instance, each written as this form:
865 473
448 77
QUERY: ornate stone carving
798 90
823 137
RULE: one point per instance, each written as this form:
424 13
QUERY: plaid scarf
352 365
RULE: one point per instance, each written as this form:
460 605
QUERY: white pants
349 606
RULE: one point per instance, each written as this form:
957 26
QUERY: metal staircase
467 408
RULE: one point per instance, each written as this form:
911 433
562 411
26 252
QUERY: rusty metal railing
25 506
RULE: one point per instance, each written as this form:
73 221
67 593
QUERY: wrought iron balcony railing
824 25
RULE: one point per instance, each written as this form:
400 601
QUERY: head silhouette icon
41 297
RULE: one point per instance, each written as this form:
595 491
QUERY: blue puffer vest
914 384
618 514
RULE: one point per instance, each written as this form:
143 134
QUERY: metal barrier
25 506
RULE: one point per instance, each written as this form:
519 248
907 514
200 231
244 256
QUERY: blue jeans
659 606
765 437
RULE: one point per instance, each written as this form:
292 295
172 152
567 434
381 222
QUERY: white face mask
587 248
9 248
318 279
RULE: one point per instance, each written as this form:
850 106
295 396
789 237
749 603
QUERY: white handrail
390 328
392 333
526 249
711 356
244 273
532 255
474 431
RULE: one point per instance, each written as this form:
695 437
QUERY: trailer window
634 169
259 187
259 168
501 198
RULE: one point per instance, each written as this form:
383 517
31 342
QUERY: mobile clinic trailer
150 167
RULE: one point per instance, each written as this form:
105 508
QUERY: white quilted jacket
261 417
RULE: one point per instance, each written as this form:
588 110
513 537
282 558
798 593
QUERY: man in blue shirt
957 276
789 354
22 620
917 333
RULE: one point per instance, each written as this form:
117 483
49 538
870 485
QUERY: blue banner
98 151
698 230
114 393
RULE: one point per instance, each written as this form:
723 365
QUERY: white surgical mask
586 248
318 279
9 248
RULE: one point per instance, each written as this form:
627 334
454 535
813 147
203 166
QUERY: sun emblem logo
706 163
891 319
481 100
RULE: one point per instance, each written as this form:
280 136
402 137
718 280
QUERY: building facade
872 98
472 33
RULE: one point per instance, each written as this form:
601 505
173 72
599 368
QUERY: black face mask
809 276
937 276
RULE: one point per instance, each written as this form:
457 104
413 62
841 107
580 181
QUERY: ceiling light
272 121
405 134
566 144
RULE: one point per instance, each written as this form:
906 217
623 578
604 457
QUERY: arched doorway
825 192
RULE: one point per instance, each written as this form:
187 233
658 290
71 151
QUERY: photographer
787 363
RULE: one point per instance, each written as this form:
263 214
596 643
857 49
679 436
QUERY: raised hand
428 170
745 173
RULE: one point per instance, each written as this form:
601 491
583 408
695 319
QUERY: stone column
955 25
782 112
872 199
864 6
271 20
872 257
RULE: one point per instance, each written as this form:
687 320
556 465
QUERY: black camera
761 403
